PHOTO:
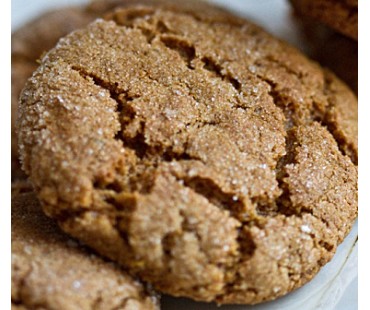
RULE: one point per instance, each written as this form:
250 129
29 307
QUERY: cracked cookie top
38 36
52 271
213 160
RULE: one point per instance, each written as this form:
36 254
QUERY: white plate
335 286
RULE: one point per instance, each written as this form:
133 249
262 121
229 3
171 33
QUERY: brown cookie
38 36
52 271
205 155
341 15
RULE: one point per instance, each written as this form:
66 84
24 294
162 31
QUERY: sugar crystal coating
193 171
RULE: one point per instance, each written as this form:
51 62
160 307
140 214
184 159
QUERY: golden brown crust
52 271
208 157
341 15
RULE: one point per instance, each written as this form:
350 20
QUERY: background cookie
212 144
341 15
52 271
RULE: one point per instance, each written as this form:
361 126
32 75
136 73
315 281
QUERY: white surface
335 287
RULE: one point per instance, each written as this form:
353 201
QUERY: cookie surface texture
41 34
211 159
52 271
340 15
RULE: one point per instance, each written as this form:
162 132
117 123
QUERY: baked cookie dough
52 271
38 36
206 156
341 15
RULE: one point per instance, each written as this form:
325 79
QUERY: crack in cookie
188 152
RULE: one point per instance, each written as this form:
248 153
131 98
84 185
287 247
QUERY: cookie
41 34
52 271
206 156
340 15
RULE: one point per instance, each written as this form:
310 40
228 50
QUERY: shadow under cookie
340 15
331 49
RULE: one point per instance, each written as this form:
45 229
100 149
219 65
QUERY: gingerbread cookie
38 36
210 158
52 271
341 15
